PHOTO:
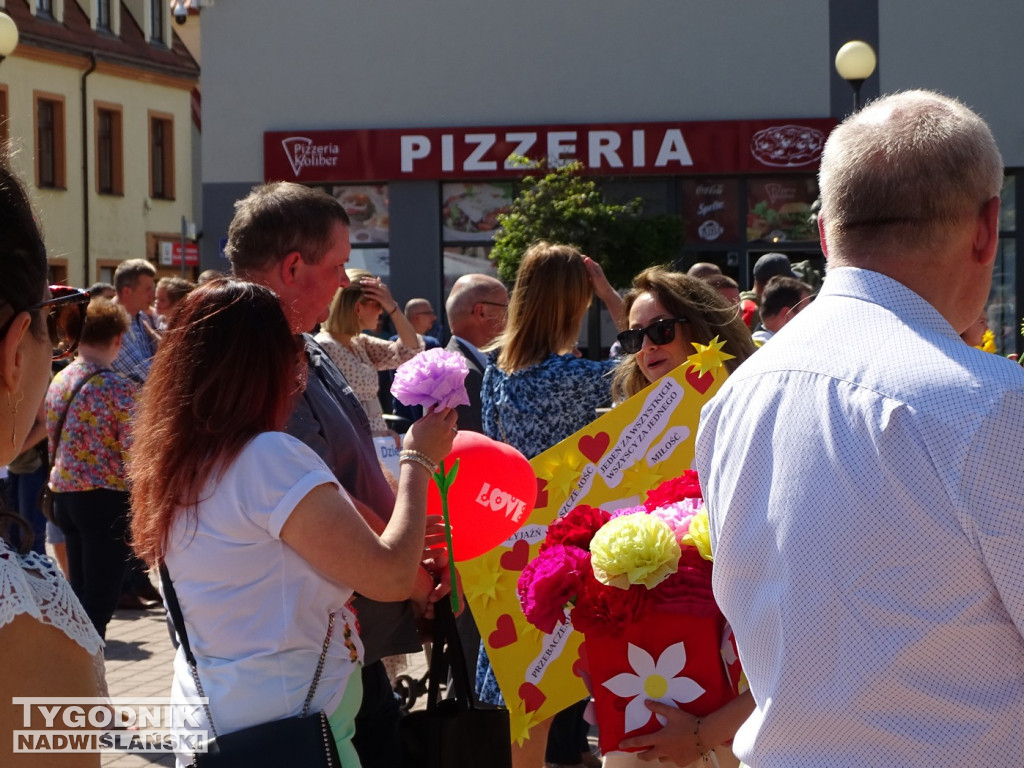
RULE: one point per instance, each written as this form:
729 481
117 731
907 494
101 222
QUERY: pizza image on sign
787 146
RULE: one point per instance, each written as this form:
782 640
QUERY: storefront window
469 212
1001 311
779 209
367 209
469 222
711 210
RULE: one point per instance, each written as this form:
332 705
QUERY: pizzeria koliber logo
303 153
787 146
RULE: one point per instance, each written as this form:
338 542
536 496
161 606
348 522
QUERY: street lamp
8 36
855 62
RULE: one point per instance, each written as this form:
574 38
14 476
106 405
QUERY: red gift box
675 658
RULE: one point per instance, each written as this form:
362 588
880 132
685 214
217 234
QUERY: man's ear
288 267
11 355
821 235
986 232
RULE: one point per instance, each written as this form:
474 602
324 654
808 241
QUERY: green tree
564 206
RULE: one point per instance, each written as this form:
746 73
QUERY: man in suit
476 310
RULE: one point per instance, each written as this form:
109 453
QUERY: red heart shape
532 696
699 382
517 557
504 632
542 494
594 446
579 667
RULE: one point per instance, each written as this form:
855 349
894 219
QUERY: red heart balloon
492 497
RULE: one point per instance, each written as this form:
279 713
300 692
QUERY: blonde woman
536 392
356 308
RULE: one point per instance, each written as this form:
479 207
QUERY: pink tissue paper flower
437 376
550 582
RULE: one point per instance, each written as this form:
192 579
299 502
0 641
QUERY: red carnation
577 528
686 486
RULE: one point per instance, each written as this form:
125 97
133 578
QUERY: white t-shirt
256 612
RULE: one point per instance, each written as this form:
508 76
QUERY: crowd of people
859 465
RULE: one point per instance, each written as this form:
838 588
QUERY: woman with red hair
263 546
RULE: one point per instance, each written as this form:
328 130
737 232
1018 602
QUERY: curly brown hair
708 315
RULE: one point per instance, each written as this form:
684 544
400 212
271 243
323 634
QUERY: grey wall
392 63
970 50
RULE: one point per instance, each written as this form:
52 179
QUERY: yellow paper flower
699 534
634 549
988 341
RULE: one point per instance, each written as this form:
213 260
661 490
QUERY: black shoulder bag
45 493
302 740
454 733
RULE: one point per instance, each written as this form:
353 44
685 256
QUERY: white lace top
32 584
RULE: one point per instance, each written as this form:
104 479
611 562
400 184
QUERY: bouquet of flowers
637 583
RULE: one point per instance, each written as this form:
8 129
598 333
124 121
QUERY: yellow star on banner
709 357
640 478
481 578
485 586
521 723
562 472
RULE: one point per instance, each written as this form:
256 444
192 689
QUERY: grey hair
903 169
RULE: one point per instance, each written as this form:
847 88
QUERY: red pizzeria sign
741 146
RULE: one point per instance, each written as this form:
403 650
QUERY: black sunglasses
660 332
64 320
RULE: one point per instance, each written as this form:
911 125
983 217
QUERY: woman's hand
677 742
374 288
433 434
604 291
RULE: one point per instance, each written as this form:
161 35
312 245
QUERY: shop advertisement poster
611 463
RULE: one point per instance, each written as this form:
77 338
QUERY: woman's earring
14 412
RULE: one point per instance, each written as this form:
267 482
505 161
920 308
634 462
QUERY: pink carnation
437 376
550 582
678 515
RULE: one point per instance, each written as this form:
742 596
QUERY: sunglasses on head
65 318
659 332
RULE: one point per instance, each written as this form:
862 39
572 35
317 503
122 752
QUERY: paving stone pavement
139 658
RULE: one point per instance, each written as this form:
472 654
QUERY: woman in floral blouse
88 477
356 308
536 392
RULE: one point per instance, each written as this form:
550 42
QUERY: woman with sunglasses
667 312
536 392
88 407
50 648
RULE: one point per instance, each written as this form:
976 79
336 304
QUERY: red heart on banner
517 557
579 667
542 494
532 696
699 382
504 632
594 446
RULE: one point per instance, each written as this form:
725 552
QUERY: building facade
715 112
100 102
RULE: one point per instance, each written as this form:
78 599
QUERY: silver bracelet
417 457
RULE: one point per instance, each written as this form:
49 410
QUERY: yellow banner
611 463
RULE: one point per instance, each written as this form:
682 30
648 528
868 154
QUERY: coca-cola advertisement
711 209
